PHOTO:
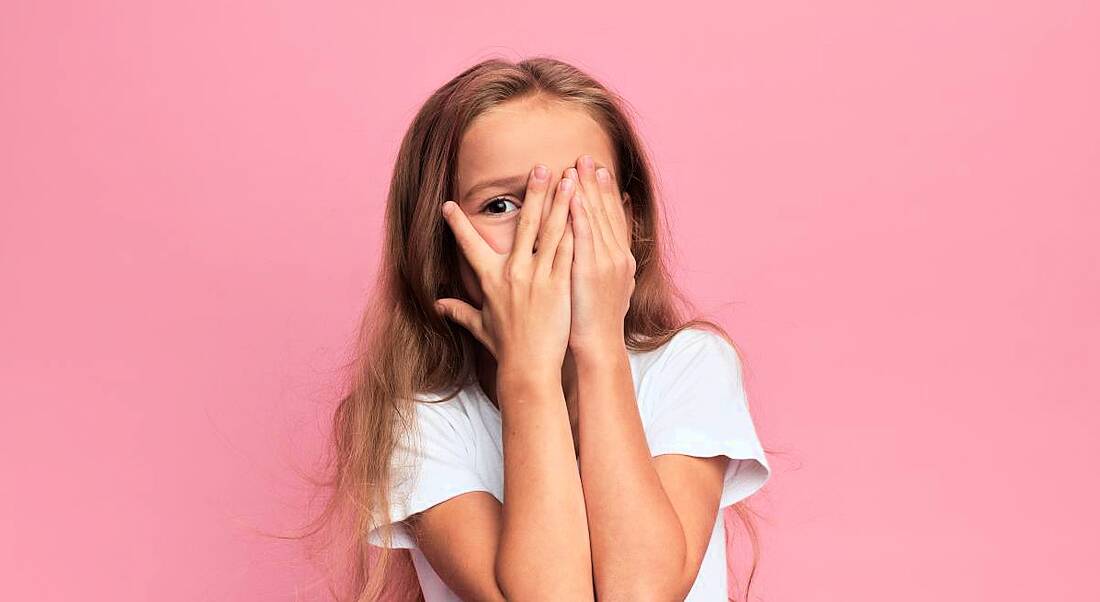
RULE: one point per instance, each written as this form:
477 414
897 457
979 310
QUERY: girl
530 415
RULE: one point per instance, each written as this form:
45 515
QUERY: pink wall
893 208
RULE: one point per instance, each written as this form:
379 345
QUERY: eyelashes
496 201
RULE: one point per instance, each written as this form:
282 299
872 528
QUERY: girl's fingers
594 198
563 258
554 226
584 243
600 250
614 204
547 205
477 252
461 312
596 240
530 215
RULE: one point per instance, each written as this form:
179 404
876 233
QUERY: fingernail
587 161
566 184
448 206
601 174
541 172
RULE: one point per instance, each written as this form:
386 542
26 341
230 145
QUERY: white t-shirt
690 397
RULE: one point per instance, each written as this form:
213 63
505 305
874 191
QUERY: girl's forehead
509 142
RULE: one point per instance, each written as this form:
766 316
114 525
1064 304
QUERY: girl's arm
544 542
543 551
649 528
650 519
536 545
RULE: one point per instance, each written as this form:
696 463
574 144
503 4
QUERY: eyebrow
507 182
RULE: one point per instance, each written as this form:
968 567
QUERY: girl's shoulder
688 337
696 368
457 411
687 345
444 403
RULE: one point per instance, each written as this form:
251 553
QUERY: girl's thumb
459 311
469 317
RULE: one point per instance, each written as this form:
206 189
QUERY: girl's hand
603 266
525 315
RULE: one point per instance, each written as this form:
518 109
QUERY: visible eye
497 203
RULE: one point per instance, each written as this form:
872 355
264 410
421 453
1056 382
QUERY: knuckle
515 273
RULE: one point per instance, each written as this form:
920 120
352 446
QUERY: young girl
530 415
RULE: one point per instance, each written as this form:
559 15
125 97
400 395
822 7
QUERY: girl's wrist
526 382
606 351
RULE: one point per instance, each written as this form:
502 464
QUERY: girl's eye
495 204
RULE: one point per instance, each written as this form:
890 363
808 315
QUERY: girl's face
496 156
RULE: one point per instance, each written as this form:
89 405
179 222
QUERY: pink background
893 207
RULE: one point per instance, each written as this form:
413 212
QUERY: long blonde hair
403 347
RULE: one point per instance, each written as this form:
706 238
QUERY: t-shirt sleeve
429 467
695 405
